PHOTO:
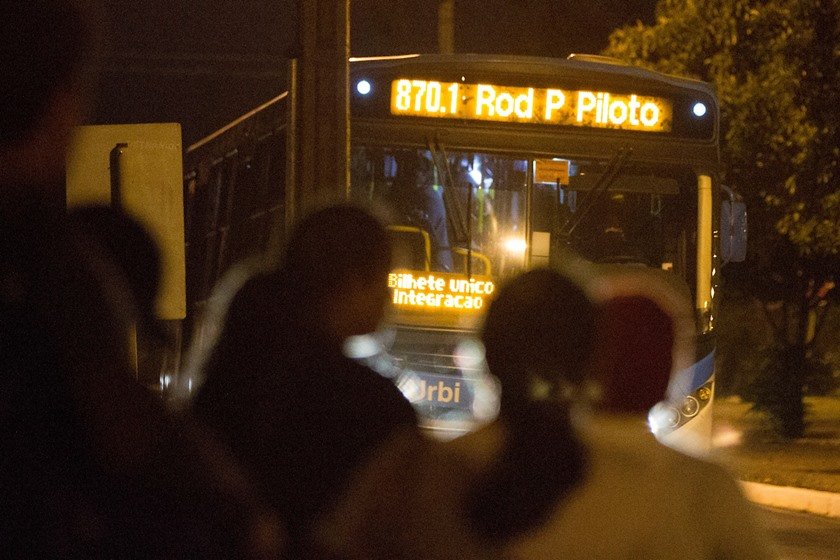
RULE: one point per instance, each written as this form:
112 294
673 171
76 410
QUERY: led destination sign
488 102
439 291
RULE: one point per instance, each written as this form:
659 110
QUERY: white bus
489 165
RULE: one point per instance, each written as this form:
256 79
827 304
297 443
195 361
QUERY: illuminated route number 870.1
424 97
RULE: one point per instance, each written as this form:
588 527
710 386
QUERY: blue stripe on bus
690 379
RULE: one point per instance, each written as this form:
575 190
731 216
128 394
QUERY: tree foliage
776 68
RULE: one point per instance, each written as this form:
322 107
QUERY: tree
776 67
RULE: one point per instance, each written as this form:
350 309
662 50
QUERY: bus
488 165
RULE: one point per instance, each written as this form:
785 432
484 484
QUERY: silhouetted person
611 244
538 337
90 465
641 499
130 247
477 495
279 389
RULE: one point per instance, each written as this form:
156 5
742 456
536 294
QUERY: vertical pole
132 351
703 297
446 26
469 229
322 97
117 169
290 200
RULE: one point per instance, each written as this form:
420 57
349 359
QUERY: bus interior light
475 175
699 109
516 245
363 87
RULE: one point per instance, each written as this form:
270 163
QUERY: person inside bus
420 201
478 495
611 243
641 499
278 387
90 463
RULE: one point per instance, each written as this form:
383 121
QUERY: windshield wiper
459 221
598 192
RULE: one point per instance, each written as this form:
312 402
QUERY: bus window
417 197
643 216
470 206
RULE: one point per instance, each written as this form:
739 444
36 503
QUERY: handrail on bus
427 243
485 260
458 220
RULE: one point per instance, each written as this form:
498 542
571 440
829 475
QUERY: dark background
203 63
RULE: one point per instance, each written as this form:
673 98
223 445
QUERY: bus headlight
690 406
663 417
362 346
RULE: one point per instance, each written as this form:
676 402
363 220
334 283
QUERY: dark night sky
204 62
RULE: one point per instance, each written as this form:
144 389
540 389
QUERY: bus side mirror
733 229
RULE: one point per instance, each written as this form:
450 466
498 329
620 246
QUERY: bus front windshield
644 216
467 213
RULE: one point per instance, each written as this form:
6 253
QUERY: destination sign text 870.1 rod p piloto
488 102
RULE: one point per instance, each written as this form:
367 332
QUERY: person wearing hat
641 499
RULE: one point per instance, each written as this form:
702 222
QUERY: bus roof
584 67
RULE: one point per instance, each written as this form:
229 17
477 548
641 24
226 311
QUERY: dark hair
332 246
129 245
539 331
413 169
45 45
324 250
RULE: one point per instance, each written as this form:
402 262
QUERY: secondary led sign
488 102
439 291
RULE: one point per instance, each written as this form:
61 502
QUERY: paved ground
745 443
800 536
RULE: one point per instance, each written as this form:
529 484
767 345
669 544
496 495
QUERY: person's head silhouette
49 53
538 337
124 242
538 332
646 333
335 270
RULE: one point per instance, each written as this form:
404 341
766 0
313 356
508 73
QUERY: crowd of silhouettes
472 496
289 448
570 468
